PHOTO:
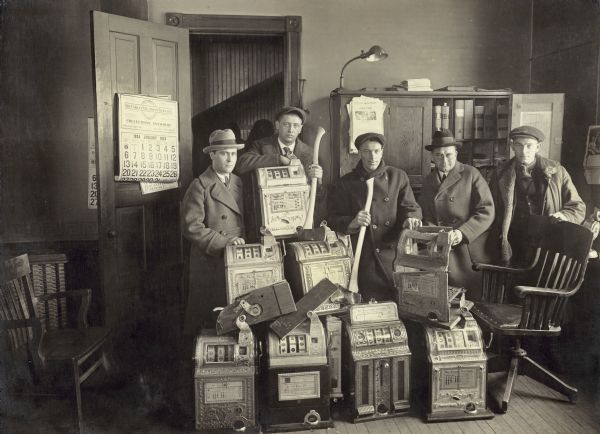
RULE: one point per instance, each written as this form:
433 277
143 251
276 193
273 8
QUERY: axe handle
353 286
308 222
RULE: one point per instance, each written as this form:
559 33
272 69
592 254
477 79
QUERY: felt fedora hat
441 139
527 131
222 139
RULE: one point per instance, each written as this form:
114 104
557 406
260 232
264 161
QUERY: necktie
226 182
288 152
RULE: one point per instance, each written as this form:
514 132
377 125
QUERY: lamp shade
375 54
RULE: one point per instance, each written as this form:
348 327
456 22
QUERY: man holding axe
393 208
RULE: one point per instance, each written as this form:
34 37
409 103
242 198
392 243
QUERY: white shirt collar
223 177
283 145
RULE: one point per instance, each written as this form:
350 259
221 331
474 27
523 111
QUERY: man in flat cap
456 195
393 208
530 185
212 219
283 148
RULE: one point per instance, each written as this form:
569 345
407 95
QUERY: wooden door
543 111
139 235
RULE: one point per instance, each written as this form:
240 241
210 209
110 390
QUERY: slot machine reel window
226 391
222 353
279 173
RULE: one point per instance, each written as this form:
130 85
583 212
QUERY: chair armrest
500 268
84 305
20 323
523 291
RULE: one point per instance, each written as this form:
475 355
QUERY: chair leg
78 396
544 376
513 371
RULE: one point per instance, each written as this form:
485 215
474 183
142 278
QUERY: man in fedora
526 186
212 219
456 195
393 208
283 148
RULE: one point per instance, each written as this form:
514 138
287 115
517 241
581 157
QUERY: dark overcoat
462 201
212 216
393 202
559 194
266 152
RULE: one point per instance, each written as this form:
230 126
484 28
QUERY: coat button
224 217
377 250
374 226
362 179
386 199
451 199
387 223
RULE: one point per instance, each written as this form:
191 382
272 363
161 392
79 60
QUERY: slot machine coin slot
471 408
382 409
432 316
239 425
312 418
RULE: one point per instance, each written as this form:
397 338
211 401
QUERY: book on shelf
459 119
489 123
478 116
457 88
437 117
445 117
416 84
502 120
468 123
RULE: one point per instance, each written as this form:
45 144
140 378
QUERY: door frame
289 27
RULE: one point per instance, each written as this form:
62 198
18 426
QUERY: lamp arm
344 67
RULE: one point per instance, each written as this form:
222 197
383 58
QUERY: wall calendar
148 139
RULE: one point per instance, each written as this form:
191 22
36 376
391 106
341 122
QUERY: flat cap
441 139
369 137
291 110
527 131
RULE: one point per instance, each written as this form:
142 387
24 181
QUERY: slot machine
280 200
296 379
252 266
333 330
310 261
224 381
376 362
451 366
421 278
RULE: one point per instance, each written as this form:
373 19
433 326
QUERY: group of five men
487 221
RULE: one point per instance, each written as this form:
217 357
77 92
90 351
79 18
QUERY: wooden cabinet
407 126
411 118
410 121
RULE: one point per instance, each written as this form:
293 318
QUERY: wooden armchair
21 328
541 293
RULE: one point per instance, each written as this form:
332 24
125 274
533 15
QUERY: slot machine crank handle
308 222
353 285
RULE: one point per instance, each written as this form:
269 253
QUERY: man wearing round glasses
283 148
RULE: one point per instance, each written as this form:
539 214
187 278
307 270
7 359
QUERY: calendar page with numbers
148 139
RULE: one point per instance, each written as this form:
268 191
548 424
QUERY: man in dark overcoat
393 208
456 195
530 185
283 148
212 219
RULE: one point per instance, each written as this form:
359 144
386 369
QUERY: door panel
139 235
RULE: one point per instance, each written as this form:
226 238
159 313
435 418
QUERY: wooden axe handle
353 286
308 222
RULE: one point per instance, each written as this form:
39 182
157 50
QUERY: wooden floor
533 409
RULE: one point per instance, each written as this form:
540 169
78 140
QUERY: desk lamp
375 54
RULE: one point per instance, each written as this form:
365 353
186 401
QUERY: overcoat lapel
218 191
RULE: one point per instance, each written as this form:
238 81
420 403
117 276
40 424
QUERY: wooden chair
541 292
21 328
